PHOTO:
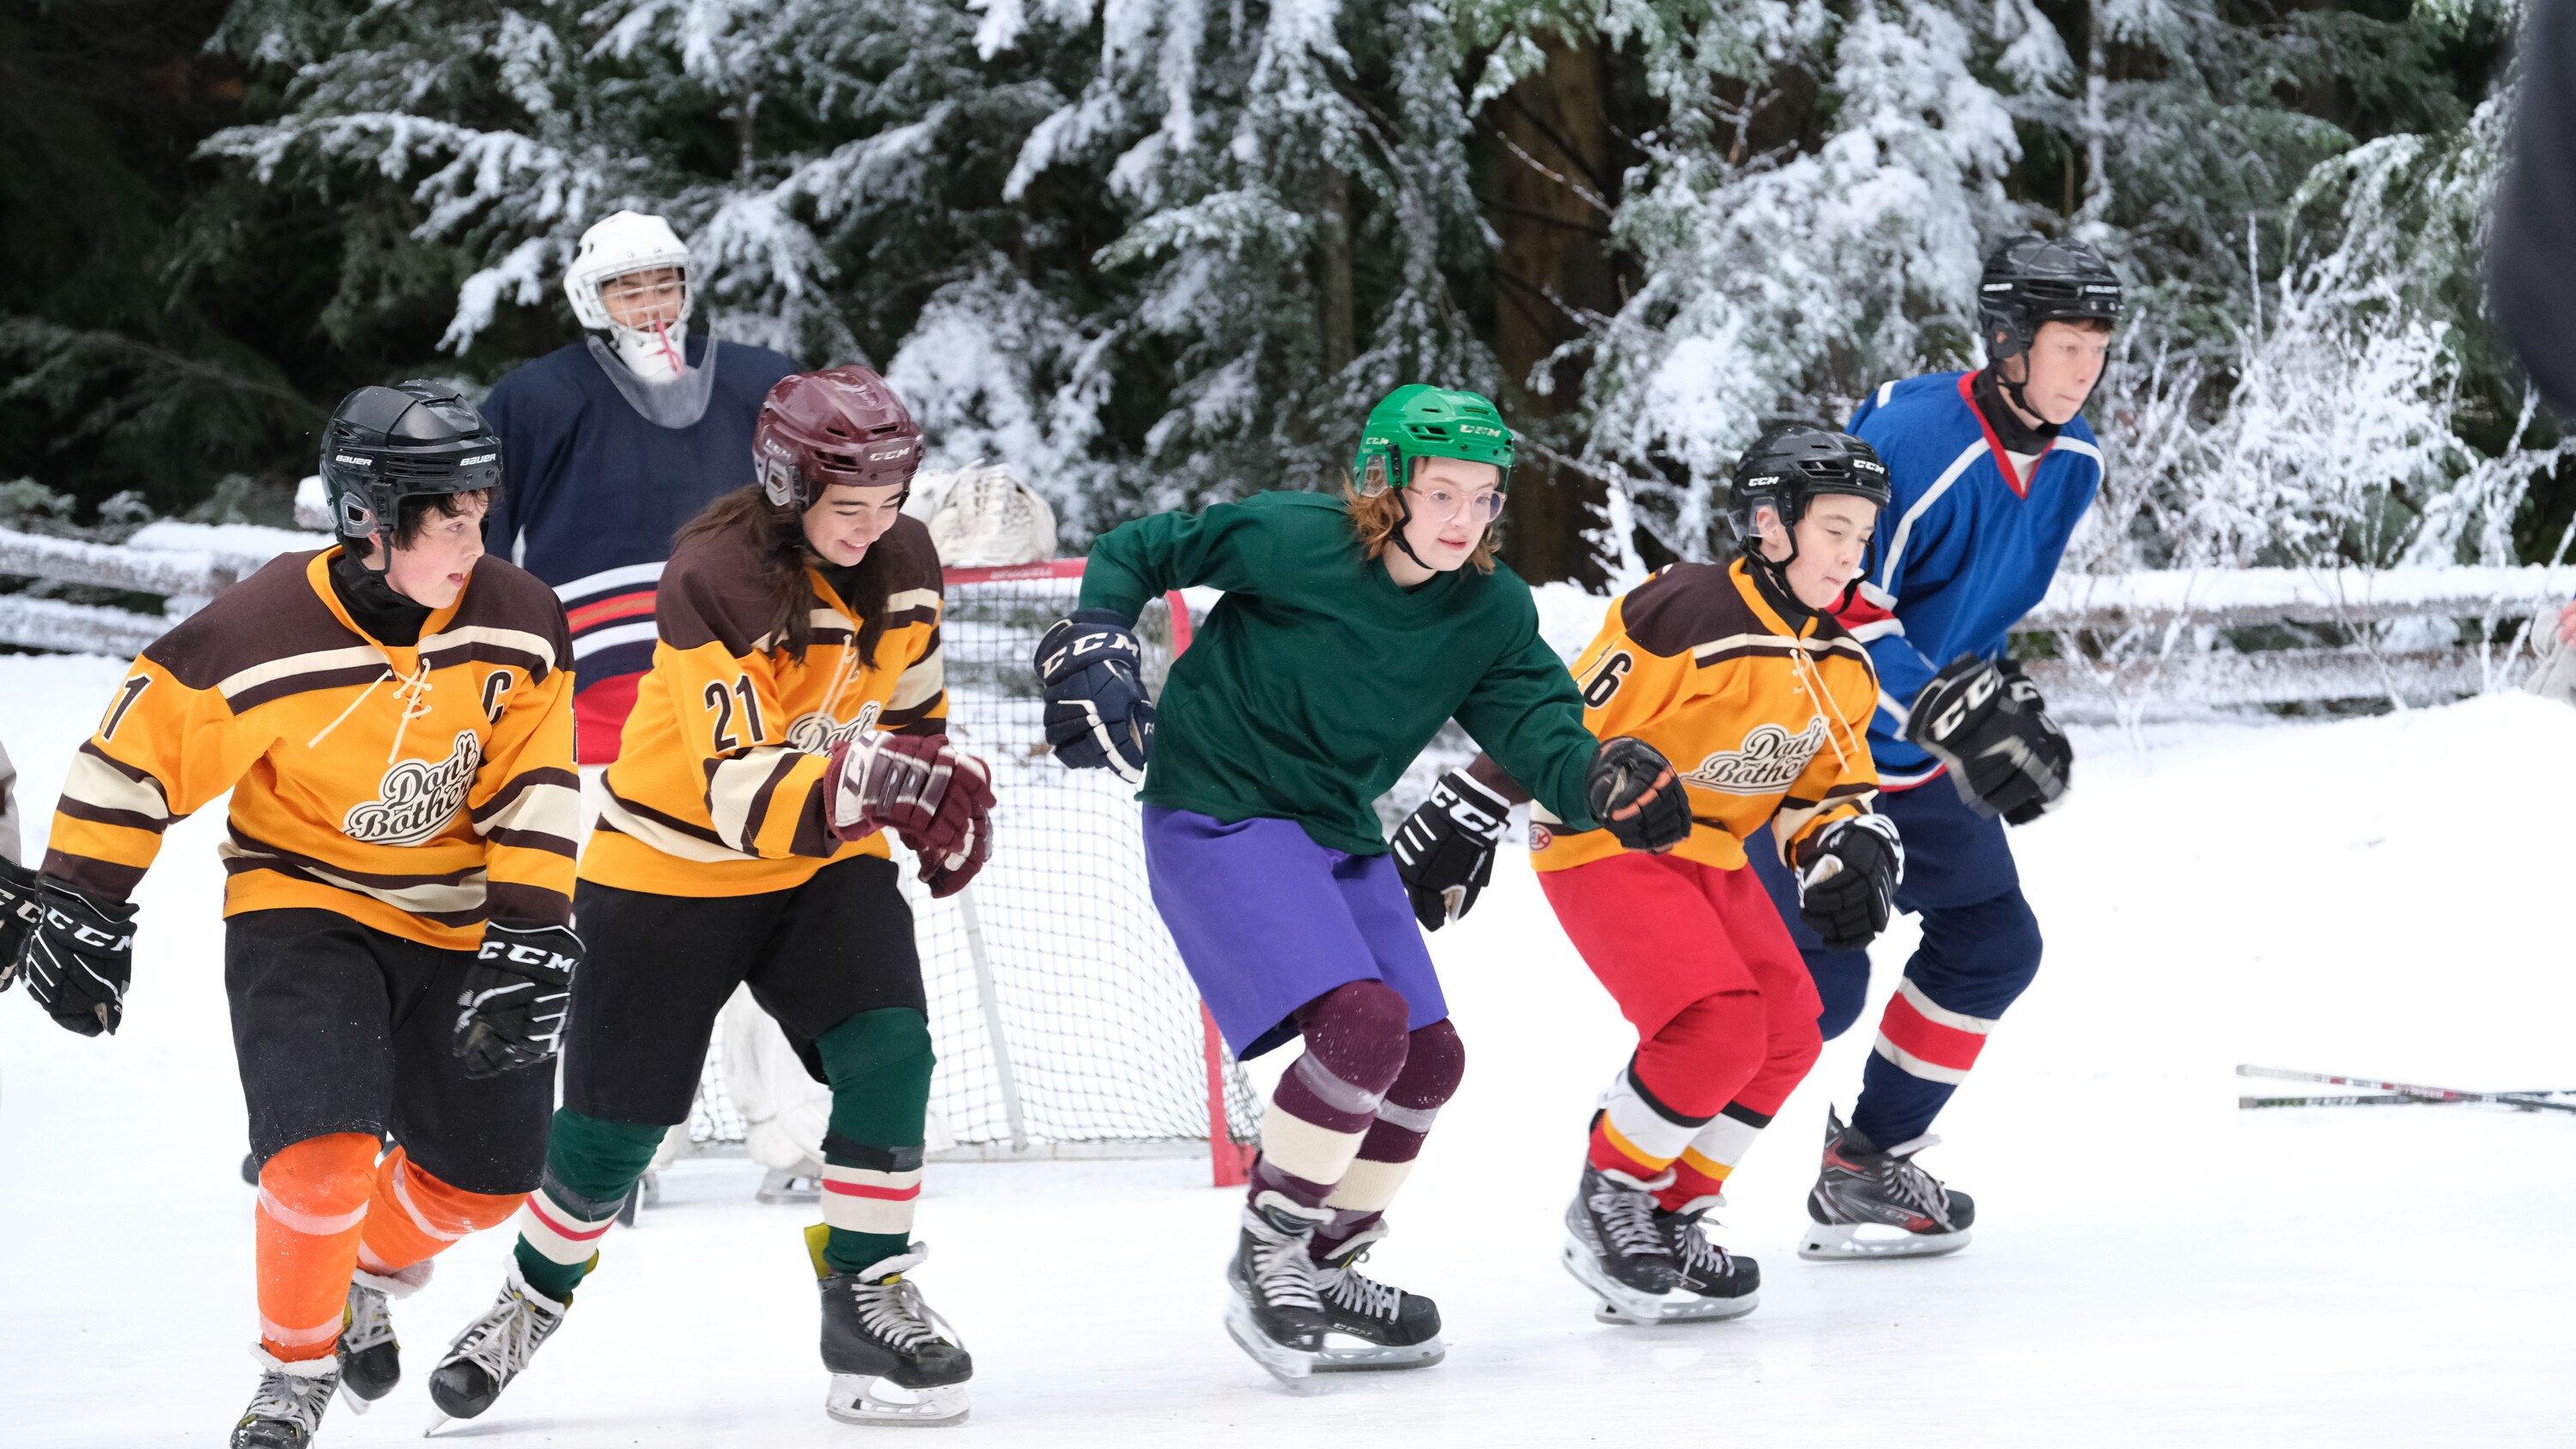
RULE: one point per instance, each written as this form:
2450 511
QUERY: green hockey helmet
1418 420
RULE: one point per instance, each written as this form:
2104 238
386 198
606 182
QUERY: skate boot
288 1407
1276 1313
1394 1329
893 1360
494 1349
370 1358
1715 1284
1873 1202
1613 1247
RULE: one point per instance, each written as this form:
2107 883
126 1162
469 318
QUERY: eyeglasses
1443 503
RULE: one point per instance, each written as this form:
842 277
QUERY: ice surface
2152 1266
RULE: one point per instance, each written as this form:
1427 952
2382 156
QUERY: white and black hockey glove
1097 714
19 914
511 1012
1847 878
80 958
1634 793
1444 850
1988 724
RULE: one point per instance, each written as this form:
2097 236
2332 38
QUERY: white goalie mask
619 247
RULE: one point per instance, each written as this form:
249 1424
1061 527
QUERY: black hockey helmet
1787 466
2032 281
416 439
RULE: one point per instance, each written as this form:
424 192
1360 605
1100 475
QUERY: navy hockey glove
1444 850
2005 755
511 1012
1847 876
1097 715
19 914
80 958
1633 792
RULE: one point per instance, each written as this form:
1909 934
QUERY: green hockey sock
591 1166
879 1064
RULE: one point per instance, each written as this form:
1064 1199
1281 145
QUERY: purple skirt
1267 920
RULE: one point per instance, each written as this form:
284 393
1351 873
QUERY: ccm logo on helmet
903 452
1480 430
1765 481
1864 465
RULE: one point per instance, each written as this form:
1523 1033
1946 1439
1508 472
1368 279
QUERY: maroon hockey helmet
843 425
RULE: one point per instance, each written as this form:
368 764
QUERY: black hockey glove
2005 755
1847 878
2051 743
1097 715
1444 850
80 958
511 1013
1636 797
19 914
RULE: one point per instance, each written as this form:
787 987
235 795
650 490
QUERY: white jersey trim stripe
1940 1015
1914 1066
639 631
606 579
1905 526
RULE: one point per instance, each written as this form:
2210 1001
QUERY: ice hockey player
1351 628
1739 668
1990 470
393 717
794 714
614 442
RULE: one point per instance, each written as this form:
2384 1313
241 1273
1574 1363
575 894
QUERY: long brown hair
1378 517
779 536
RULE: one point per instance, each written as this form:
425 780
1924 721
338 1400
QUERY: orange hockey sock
414 1216
312 1201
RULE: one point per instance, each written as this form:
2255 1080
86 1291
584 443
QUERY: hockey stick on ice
2537 1099
2392 1099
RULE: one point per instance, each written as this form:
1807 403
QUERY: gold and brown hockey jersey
1759 717
417 789
717 788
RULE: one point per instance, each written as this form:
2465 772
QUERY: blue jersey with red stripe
593 491
1964 549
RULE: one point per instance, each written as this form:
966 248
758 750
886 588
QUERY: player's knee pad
1694 1064
599 1159
1842 986
1435 1061
1978 959
441 1208
879 1065
1357 1032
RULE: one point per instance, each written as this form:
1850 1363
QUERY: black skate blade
1287 1365
1842 1243
1379 1357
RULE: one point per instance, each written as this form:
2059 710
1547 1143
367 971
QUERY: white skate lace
292 1398
1698 1253
369 1322
504 1339
1360 1294
897 1315
1910 1186
1283 1271
1627 1217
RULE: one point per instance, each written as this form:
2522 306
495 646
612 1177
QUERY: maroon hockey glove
946 875
1636 797
904 783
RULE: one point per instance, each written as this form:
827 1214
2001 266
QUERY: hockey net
1064 1021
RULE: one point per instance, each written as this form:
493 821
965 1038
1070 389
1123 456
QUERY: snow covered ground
2152 1266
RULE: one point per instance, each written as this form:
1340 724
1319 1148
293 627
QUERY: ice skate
1368 1324
288 1407
1871 1202
892 1359
370 1358
1613 1247
494 1349
1715 1284
1276 1313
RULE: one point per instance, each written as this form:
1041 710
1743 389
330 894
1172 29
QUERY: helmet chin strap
2012 389
1404 521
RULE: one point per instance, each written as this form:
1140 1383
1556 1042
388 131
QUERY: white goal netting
1064 1022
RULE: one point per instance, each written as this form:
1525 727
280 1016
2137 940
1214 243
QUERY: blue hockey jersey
592 493
1963 550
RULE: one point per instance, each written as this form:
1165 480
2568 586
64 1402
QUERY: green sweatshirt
1317 680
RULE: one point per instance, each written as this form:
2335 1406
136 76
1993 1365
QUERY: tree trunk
1333 287
1553 183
